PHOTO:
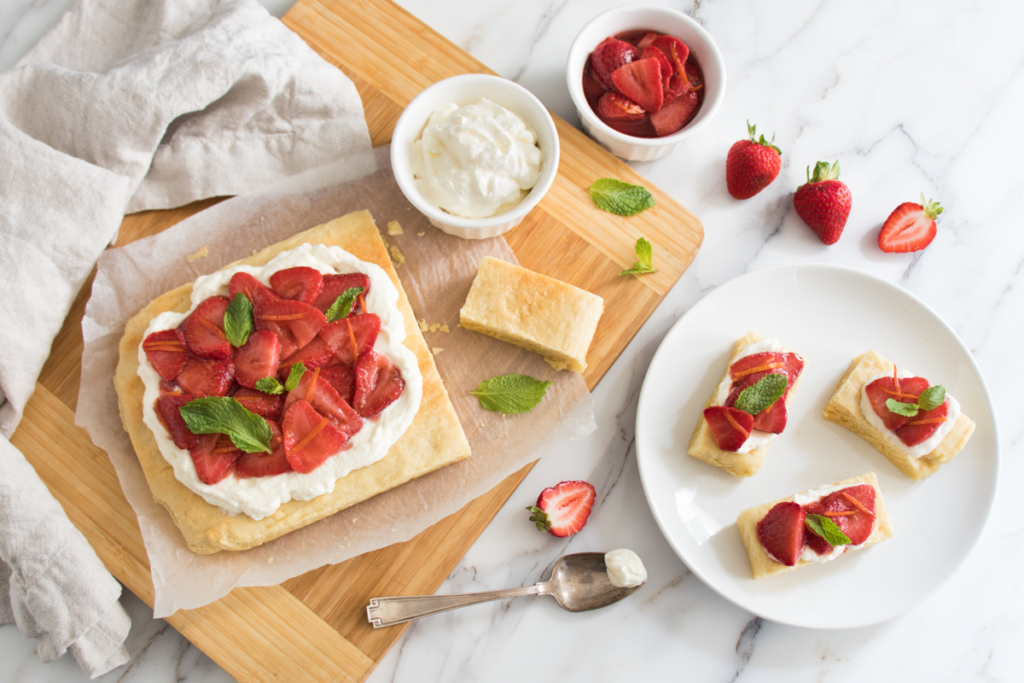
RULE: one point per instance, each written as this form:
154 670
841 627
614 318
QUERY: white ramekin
462 90
662 20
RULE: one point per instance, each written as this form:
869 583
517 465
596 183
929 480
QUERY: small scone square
844 408
533 311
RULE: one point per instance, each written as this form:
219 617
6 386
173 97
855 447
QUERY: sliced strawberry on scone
169 409
853 511
920 427
342 378
204 330
295 323
299 284
378 384
641 82
264 464
815 542
207 377
351 337
771 419
781 532
213 457
256 291
267 406
257 358
336 285
312 355
167 353
319 393
757 365
562 510
730 427
309 437
904 390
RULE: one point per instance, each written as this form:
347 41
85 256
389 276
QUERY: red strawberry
257 358
675 113
295 323
666 66
773 418
265 464
562 510
611 54
647 40
675 50
750 369
781 532
856 526
378 384
166 351
267 406
911 227
923 425
309 437
824 202
884 388
336 285
312 355
300 284
213 457
640 81
342 378
204 329
815 542
206 377
618 107
168 408
319 393
730 427
351 337
256 291
751 165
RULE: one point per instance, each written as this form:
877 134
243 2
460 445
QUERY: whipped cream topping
477 160
625 569
757 438
261 496
926 446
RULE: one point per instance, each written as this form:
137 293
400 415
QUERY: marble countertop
909 96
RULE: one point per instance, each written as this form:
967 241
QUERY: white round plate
828 315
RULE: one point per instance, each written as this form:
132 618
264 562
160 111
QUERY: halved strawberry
257 358
169 409
641 82
265 464
675 113
312 355
563 509
256 291
166 351
351 337
309 437
730 427
295 323
618 107
610 55
675 50
666 66
213 457
319 393
299 284
336 285
206 377
204 329
884 388
815 542
911 227
856 526
781 532
920 427
342 378
378 384
267 406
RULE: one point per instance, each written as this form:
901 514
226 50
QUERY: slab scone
703 444
433 440
761 563
844 408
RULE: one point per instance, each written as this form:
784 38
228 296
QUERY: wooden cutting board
314 627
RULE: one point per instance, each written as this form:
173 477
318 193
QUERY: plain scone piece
844 409
764 566
703 445
533 311
433 440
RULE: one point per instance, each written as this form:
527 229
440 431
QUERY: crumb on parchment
394 228
203 252
433 327
420 234
397 256
436 350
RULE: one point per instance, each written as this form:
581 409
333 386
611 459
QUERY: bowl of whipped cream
475 154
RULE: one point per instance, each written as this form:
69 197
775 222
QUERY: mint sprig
930 399
342 306
510 394
645 259
827 529
294 376
622 199
269 385
238 322
225 415
763 394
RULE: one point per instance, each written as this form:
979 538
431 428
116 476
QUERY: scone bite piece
917 444
533 311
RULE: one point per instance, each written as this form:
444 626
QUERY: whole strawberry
824 202
751 165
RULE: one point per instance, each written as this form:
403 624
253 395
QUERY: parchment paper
437 274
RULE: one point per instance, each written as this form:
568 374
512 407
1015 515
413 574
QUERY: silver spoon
578 583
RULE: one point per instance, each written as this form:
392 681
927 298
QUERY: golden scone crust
703 445
844 409
533 311
434 439
764 566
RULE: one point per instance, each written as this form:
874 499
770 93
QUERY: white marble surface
910 96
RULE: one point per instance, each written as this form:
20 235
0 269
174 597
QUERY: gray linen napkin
126 105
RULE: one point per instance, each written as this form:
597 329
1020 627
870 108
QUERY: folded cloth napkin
126 105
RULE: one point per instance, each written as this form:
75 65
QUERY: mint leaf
342 306
225 415
638 269
904 409
760 396
827 529
294 376
645 259
510 394
932 397
269 385
622 199
238 320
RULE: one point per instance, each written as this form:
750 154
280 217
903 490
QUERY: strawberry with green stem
824 202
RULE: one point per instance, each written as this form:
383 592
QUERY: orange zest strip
895 379
213 327
312 385
900 394
281 318
927 421
736 425
857 504
362 303
166 347
309 437
771 365
352 338
845 513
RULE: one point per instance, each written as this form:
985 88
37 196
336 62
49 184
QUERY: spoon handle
390 611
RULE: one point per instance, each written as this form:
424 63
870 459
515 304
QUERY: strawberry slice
206 377
730 427
342 378
641 82
267 406
299 284
378 384
295 323
169 409
204 330
167 353
675 50
257 358
618 107
758 365
263 464
312 355
213 457
351 337
309 437
911 227
856 526
781 532
771 419
675 113
563 509
920 427
647 40
336 285
815 542
666 66
256 291
324 398
884 388
610 55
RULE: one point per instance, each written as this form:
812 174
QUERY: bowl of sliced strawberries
644 79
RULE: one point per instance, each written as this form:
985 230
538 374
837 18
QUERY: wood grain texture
314 627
